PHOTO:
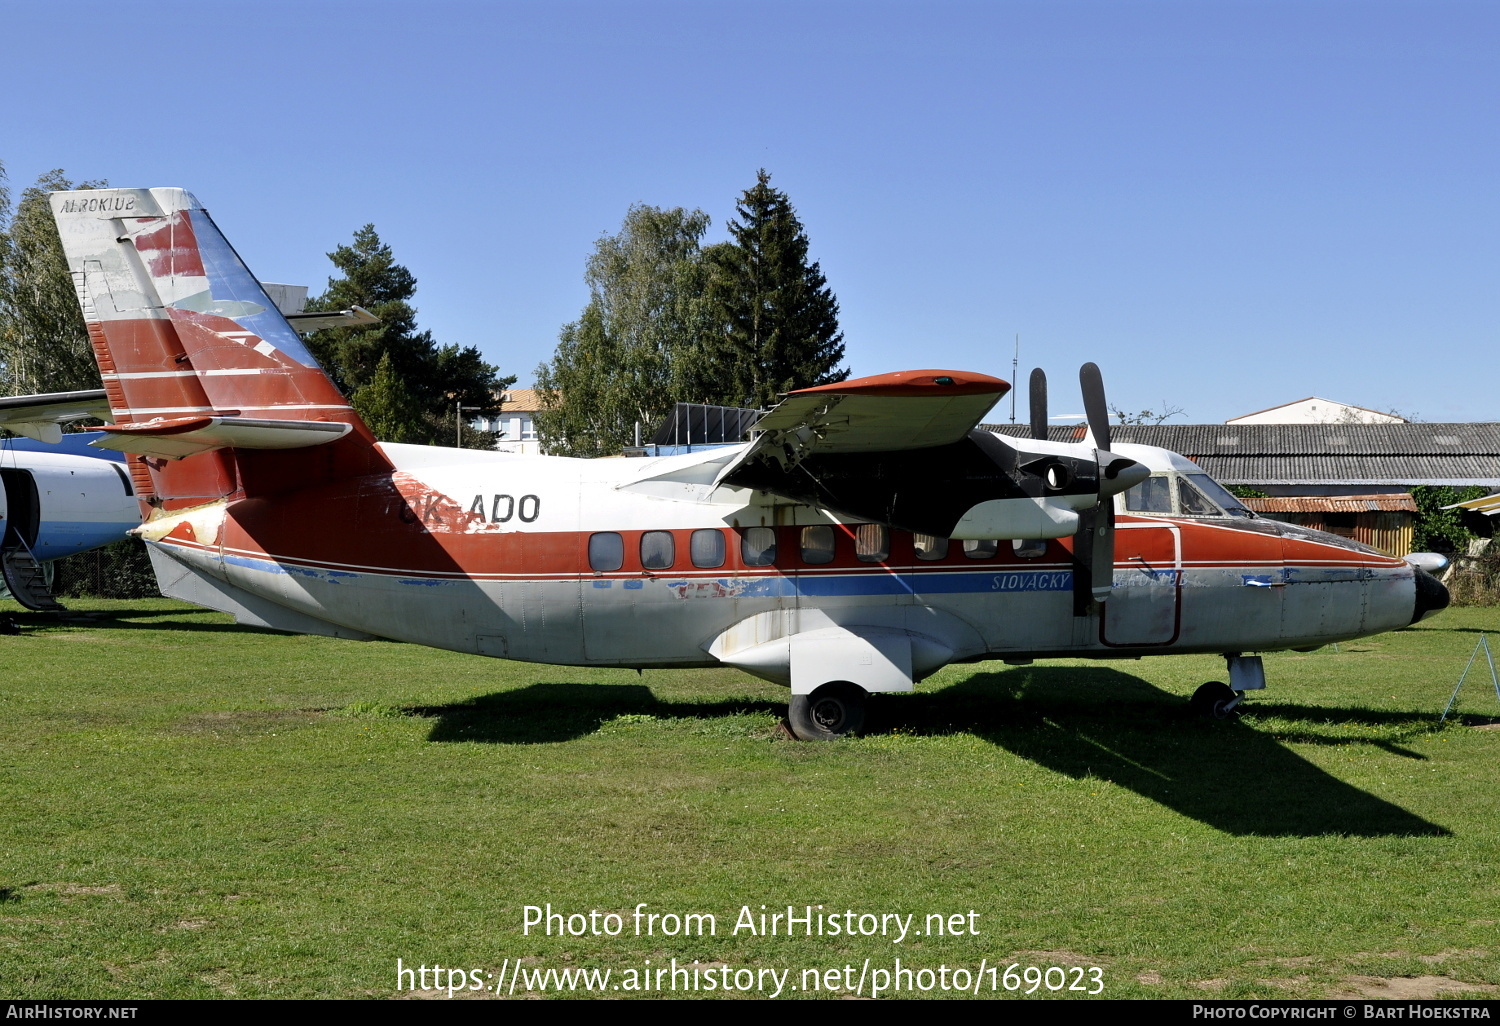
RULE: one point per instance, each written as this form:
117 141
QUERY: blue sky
1226 205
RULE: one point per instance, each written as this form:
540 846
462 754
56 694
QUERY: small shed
1385 522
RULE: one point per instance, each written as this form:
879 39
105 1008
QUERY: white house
515 423
1313 410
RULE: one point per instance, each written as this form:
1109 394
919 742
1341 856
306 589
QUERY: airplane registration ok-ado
865 535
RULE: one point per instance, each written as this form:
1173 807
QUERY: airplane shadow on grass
131 619
549 713
1101 723
1081 722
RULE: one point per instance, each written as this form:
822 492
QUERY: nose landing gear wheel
1216 701
835 710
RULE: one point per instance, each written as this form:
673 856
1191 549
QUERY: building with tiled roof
516 422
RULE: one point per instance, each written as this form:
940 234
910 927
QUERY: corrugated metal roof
1298 439
1360 454
1318 439
1359 470
1398 502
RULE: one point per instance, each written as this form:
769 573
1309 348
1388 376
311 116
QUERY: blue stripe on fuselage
811 585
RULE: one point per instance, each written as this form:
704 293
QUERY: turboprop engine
995 487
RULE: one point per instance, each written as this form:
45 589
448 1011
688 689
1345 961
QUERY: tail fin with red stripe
209 387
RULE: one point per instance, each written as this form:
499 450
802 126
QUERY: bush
119 570
1438 529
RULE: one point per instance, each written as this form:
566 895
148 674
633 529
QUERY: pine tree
387 407
44 346
402 383
779 318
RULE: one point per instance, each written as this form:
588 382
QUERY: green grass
195 809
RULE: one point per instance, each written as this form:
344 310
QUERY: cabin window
981 548
606 552
817 544
1153 495
708 548
872 543
758 546
929 546
658 551
1029 548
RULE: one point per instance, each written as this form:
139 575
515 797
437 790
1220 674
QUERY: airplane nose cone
1432 597
1118 473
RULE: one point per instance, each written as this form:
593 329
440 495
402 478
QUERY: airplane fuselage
603 562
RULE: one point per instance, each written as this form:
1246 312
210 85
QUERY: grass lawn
195 809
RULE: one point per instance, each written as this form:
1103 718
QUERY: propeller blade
1103 563
1094 403
1094 545
1083 562
1038 403
1093 557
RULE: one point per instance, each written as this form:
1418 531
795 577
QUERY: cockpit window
1153 495
1196 495
1194 504
1218 494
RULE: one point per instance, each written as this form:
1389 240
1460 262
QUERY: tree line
671 320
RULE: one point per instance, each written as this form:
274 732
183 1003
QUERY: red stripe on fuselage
395 524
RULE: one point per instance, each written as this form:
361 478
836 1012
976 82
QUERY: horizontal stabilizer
354 317
187 436
42 416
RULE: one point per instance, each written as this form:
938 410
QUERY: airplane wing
42 416
1488 505
354 317
902 450
918 409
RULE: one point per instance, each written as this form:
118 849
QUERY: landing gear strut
835 710
1219 701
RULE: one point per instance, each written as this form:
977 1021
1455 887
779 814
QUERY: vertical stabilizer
197 360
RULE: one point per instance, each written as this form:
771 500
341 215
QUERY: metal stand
1484 643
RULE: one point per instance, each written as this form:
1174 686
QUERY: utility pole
458 421
1015 368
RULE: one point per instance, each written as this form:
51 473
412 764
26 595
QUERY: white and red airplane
865 536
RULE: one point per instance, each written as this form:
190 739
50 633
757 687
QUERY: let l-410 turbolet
866 535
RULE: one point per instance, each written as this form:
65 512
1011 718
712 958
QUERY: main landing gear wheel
835 710
1216 701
